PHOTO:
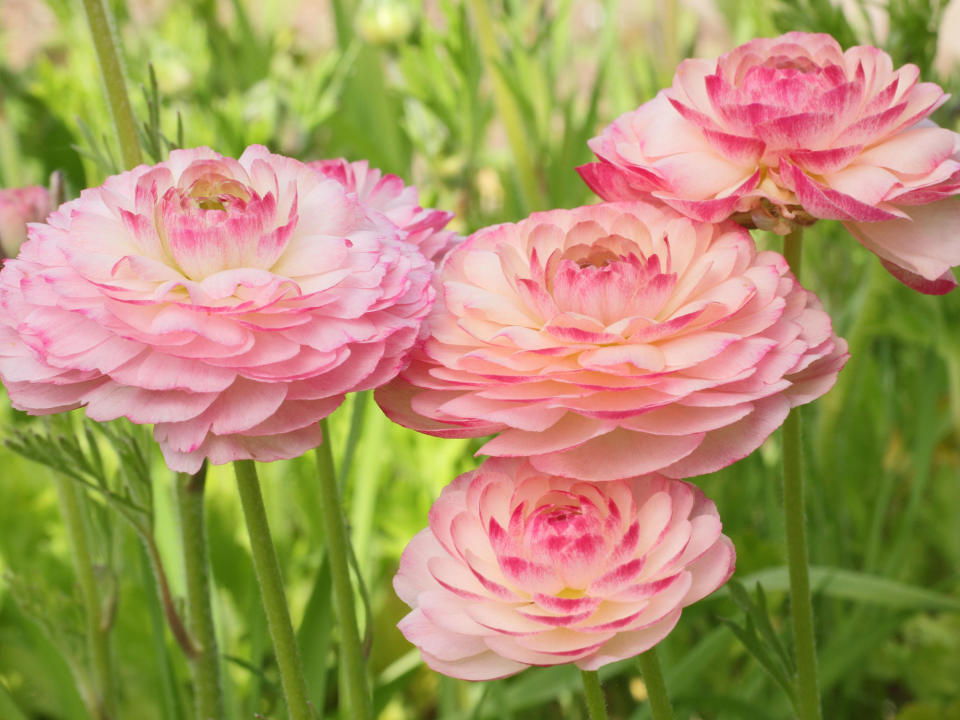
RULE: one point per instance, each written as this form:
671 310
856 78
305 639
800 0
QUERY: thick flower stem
351 651
206 665
111 70
103 691
596 703
271 591
660 707
801 606
507 107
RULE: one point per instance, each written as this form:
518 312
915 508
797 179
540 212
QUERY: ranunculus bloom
519 568
400 203
782 131
19 206
615 340
230 302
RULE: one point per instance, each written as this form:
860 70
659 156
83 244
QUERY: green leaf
8 708
862 587
314 635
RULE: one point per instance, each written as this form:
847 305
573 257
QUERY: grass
882 449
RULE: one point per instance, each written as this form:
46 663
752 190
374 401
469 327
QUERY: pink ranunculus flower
232 303
19 206
519 568
399 202
615 340
782 131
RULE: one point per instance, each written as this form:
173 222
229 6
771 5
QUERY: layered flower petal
616 562
19 206
400 203
231 303
615 340
782 131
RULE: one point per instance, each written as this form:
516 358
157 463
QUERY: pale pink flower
519 568
19 206
399 202
780 132
232 303
615 340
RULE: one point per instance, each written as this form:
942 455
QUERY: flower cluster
611 350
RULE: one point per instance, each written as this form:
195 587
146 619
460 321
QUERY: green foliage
760 639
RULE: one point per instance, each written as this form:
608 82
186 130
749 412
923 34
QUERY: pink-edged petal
483 666
618 454
926 245
414 575
726 445
612 183
711 570
437 641
628 644
823 202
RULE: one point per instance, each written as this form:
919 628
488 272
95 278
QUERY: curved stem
271 591
507 107
205 665
656 687
794 516
352 660
103 698
111 70
596 703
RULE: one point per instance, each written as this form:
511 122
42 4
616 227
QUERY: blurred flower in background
19 206
400 203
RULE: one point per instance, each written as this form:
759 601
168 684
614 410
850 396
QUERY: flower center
210 221
214 191
800 64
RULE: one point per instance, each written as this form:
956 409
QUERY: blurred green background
487 107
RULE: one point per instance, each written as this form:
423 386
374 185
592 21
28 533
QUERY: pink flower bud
19 206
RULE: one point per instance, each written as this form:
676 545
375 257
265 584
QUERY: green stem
271 591
205 665
596 703
352 660
507 107
111 70
660 707
103 698
801 606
